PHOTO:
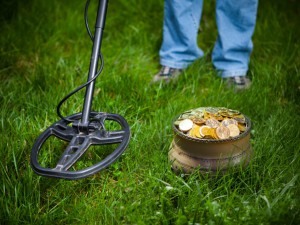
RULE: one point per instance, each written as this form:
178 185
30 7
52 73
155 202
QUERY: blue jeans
235 21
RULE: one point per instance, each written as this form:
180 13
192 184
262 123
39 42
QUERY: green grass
45 53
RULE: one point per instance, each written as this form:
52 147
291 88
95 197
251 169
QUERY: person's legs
236 22
180 29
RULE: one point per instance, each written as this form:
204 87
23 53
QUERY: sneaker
239 83
166 74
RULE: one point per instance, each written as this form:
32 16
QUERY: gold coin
212 123
212 111
239 118
211 134
185 125
227 122
198 120
214 134
233 112
234 130
222 110
190 134
205 131
222 132
196 131
218 117
241 127
206 115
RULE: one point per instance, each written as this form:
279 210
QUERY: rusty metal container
208 155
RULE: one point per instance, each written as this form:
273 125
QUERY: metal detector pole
100 22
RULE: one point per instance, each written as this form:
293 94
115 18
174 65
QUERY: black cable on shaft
86 10
89 81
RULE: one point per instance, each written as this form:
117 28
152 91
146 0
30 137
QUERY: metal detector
84 129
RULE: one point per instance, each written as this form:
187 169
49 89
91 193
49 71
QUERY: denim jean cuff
232 73
174 64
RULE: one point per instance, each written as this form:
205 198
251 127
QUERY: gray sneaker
239 83
166 74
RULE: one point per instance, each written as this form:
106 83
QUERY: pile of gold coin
211 123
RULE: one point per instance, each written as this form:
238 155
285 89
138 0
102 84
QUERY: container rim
202 140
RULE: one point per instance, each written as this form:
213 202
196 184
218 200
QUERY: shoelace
240 80
167 71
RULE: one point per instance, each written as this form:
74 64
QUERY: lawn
45 53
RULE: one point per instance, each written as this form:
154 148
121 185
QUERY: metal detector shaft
99 27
